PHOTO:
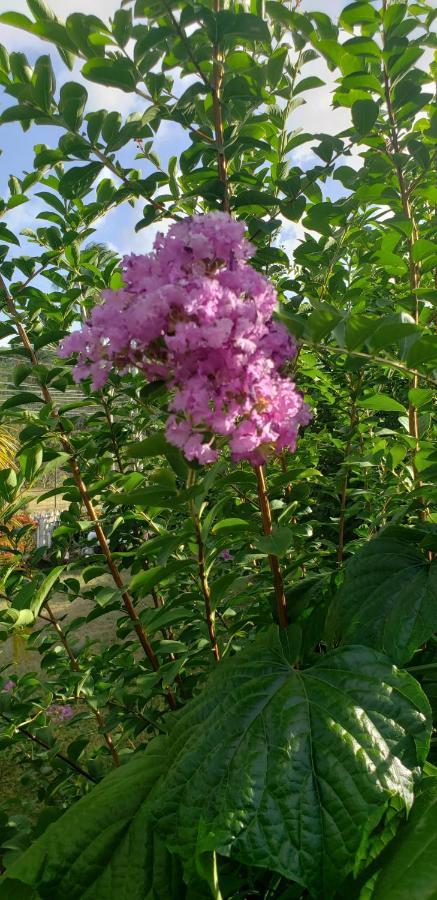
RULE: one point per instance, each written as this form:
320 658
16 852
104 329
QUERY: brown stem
281 603
78 480
76 667
36 740
218 72
209 614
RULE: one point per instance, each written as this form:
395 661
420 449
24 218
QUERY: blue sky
117 229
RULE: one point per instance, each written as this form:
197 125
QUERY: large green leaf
389 596
382 403
410 861
276 767
287 769
104 847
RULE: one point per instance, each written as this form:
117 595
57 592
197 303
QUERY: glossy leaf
388 599
246 26
105 846
295 761
409 869
364 115
382 403
119 73
79 179
72 103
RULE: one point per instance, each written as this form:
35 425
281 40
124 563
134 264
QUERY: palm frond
8 448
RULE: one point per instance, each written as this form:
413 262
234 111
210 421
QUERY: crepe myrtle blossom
60 712
195 314
226 555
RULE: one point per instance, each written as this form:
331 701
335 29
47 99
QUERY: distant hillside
12 369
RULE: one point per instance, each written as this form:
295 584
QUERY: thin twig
343 495
203 578
379 360
131 184
205 590
36 740
177 26
110 421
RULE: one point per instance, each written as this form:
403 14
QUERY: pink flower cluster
195 314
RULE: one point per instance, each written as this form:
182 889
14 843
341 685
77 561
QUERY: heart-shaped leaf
275 767
389 596
287 769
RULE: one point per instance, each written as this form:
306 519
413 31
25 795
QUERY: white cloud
332 7
317 114
292 233
120 235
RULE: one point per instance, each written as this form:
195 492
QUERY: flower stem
281 603
201 562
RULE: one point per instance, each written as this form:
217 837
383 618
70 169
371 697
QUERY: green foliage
289 768
255 768
387 599
109 856
409 864
278 751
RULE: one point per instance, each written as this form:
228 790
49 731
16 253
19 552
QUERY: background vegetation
291 765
